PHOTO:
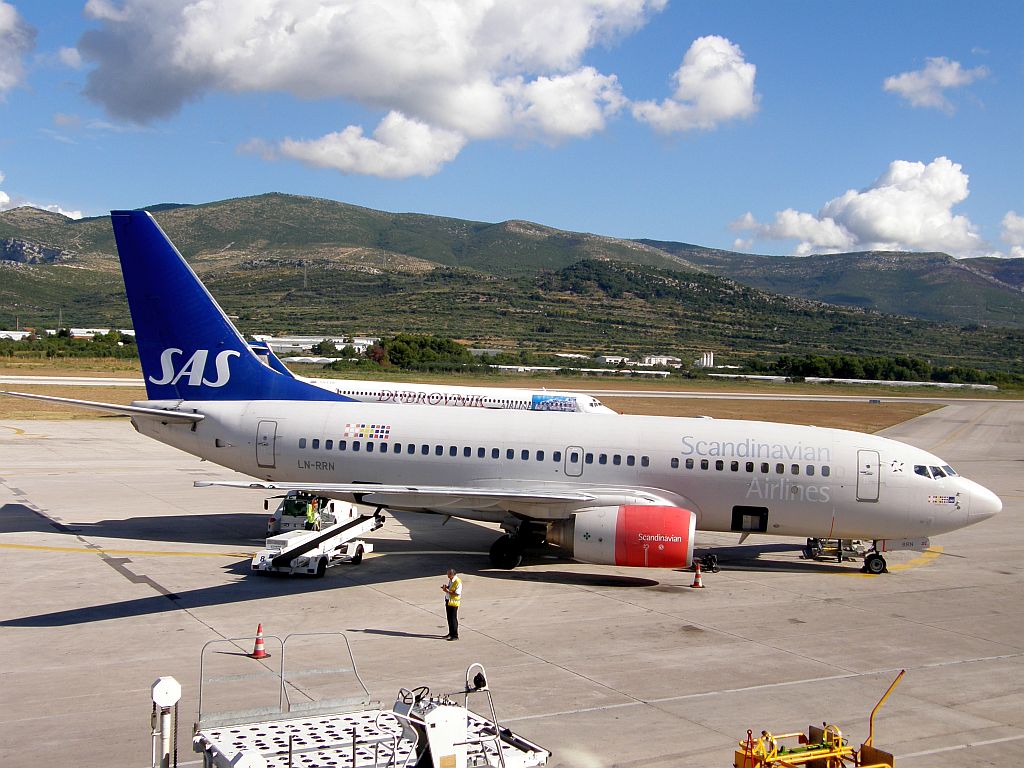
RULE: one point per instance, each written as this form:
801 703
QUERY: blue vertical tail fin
188 347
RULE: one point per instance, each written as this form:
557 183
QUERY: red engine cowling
632 535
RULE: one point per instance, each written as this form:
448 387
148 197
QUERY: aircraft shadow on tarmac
235 529
245 530
18 518
451 541
570 578
377 570
751 557
258 587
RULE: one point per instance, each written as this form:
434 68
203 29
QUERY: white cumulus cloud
16 39
400 147
70 57
1013 233
573 105
907 208
713 84
927 87
442 72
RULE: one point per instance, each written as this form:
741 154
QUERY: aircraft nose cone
984 504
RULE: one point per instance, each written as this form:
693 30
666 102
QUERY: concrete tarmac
117 571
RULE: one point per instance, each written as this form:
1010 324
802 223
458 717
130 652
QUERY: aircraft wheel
321 568
357 558
506 553
875 564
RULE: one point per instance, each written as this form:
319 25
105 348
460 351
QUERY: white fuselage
734 475
497 398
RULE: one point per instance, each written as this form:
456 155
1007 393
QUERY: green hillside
292 264
933 286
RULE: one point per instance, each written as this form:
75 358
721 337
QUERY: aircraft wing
546 503
126 410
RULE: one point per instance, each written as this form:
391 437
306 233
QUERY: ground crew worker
312 516
453 590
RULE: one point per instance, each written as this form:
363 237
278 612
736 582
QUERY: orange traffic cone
259 651
697 583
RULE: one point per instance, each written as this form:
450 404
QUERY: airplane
444 394
631 491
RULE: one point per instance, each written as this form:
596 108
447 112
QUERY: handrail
285 698
234 642
485 689
871 720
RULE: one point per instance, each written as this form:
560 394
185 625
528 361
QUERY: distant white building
287 345
598 371
91 333
647 361
667 360
14 335
614 359
87 333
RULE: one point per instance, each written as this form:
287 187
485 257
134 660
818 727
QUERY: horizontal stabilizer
127 410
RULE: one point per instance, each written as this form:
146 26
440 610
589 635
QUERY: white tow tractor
311 553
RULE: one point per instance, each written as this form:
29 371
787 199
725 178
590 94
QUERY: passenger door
868 475
266 441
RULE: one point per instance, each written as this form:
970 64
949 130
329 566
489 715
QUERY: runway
73 381
117 571
870 396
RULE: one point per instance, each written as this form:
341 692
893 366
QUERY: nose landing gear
848 549
874 564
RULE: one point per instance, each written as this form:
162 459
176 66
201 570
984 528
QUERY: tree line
112 344
881 368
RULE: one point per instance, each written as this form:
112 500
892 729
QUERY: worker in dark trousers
453 592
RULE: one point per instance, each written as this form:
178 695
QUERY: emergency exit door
868 475
266 438
573 461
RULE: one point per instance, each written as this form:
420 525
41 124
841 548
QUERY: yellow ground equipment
822 747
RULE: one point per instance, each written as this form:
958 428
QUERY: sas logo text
194 369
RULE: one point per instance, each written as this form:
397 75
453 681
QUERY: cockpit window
937 472
949 470
922 471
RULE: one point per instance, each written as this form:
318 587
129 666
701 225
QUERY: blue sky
781 128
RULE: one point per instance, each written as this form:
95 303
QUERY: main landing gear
507 552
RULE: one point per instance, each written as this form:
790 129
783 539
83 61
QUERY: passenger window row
766 468
468 452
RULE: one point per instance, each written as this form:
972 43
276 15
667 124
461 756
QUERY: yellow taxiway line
926 557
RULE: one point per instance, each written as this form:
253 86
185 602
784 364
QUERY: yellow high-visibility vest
455 592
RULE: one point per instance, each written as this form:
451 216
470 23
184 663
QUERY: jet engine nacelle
632 535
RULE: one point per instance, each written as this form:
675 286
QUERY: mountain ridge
289 262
